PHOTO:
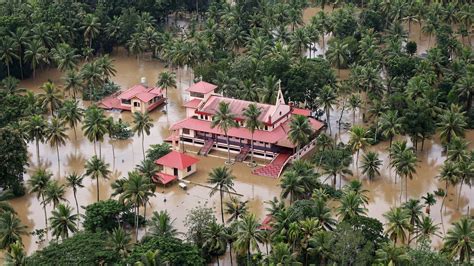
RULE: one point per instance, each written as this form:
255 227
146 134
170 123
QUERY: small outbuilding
175 165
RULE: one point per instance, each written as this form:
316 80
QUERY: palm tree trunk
459 193
100 150
222 205
334 181
113 154
136 222
143 145
37 152
401 189
95 149
406 188
97 183
59 162
77 208
217 259
230 254
45 214
74 128
251 155
144 214
8 69
228 148
328 122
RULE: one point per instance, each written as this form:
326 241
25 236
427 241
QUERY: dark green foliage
350 247
172 250
106 215
371 228
100 93
424 255
156 151
13 158
301 210
84 248
372 20
121 130
15 107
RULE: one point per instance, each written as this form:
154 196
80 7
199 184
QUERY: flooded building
270 140
139 98
175 165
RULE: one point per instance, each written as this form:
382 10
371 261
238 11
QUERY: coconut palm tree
452 123
247 235
56 135
65 57
466 173
300 131
63 221
136 192
142 124
235 209
72 114
389 254
224 120
74 181
404 160
222 179
94 126
148 169
54 193
216 239
11 230
352 205
51 97
429 200
166 80
16 256
413 207
460 239
20 38
36 53
450 175
322 214
36 130
358 140
73 82
91 26
96 168
327 99
38 183
252 122
398 223
355 102
161 224
120 241
371 164
337 53
291 186
8 52
425 229
106 67
390 124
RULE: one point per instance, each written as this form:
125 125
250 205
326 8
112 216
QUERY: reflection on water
383 194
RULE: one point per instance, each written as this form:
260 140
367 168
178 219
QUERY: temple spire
280 99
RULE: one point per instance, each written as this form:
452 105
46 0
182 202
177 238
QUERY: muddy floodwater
383 191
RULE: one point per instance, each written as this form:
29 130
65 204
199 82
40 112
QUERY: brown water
383 194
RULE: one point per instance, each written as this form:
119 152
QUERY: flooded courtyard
383 191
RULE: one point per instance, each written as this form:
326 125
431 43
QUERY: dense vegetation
248 49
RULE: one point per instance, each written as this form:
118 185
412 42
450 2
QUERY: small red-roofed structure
176 164
164 179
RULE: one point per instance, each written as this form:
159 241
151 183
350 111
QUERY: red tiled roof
112 103
163 178
278 135
202 87
266 223
194 103
177 160
237 107
299 111
141 92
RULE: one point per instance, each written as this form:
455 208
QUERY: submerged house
270 141
139 98
175 165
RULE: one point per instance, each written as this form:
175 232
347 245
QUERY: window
124 101
136 104
266 127
186 131
189 168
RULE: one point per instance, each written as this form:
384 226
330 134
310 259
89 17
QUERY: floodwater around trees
383 191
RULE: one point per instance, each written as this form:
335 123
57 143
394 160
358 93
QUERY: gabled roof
202 87
141 92
176 159
237 107
164 178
